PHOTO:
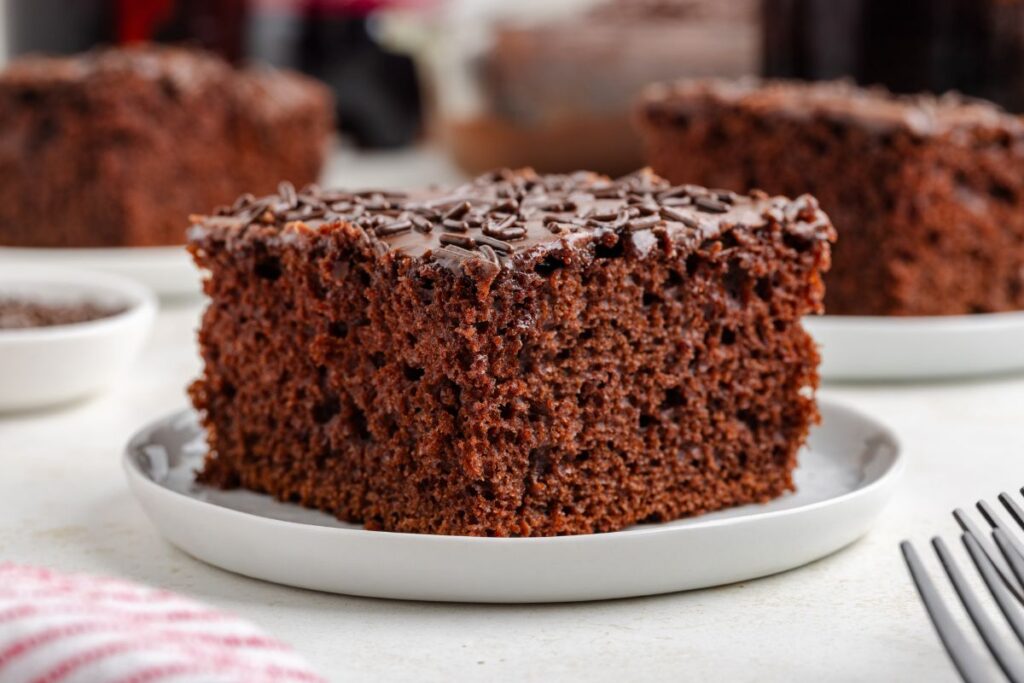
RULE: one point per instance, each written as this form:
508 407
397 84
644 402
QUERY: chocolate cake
926 192
524 355
117 147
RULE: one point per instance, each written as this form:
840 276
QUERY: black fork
998 556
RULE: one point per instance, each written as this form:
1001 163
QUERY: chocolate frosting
502 215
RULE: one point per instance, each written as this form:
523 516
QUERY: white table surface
853 616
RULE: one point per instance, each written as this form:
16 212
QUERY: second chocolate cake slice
521 356
926 192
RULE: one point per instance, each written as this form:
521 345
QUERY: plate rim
889 476
158 251
974 322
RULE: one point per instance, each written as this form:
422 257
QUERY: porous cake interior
634 379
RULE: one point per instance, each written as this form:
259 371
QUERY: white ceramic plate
880 348
168 271
43 366
845 476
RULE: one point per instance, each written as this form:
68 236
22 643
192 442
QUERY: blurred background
503 83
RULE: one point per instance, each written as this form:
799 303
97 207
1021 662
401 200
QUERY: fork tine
1015 510
995 520
968 525
966 658
1013 558
1004 599
1010 665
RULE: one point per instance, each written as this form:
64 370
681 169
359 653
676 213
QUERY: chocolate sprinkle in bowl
65 334
18 313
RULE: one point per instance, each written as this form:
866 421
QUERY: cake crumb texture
603 372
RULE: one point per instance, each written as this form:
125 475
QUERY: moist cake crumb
524 355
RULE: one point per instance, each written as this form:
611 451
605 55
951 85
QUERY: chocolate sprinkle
490 254
395 228
672 214
459 240
643 223
421 224
19 313
286 191
458 211
483 218
454 225
498 245
710 205
242 202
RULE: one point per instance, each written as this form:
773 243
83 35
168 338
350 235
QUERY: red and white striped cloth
60 628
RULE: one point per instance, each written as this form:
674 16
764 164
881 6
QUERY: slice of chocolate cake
117 147
524 355
927 193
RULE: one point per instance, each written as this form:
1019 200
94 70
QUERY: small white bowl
44 366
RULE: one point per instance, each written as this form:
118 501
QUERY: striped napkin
61 628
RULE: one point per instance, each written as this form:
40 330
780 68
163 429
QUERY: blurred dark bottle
376 91
974 46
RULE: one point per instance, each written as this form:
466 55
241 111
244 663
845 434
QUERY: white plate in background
846 475
915 348
168 271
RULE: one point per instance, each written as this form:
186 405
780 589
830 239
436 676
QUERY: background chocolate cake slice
117 147
927 193
521 356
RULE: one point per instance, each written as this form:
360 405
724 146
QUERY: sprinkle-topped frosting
504 213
